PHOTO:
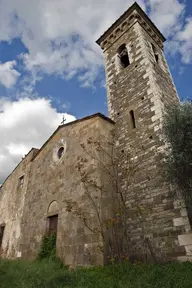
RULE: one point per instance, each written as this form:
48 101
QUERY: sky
50 64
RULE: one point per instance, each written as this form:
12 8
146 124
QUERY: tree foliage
178 132
114 229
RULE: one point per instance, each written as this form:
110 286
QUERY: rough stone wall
53 181
12 202
146 87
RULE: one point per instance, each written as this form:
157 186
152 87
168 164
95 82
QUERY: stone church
33 197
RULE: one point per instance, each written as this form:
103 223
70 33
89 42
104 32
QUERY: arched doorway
52 218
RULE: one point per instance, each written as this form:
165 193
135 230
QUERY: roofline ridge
98 114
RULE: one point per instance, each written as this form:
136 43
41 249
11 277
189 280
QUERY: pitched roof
37 151
73 123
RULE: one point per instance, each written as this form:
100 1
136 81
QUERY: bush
48 248
178 132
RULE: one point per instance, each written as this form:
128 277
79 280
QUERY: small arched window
155 53
123 56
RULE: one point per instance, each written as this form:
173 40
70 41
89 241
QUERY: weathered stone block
188 250
185 239
180 221
183 212
184 258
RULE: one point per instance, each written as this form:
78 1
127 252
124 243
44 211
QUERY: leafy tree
114 229
178 132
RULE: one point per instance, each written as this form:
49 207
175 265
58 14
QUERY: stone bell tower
139 88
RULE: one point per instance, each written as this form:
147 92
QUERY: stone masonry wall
12 202
146 87
53 181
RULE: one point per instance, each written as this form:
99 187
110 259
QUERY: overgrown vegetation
115 229
112 228
178 131
48 248
48 274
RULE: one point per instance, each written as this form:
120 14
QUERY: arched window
52 219
123 56
155 53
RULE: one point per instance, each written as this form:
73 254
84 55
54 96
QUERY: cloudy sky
50 64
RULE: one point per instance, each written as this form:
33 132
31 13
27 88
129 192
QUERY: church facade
33 197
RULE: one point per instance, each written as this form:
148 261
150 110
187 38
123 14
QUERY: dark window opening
123 56
156 55
132 116
2 228
52 224
21 182
60 152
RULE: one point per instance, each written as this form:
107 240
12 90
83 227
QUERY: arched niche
53 208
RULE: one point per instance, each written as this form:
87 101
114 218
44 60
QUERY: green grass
51 274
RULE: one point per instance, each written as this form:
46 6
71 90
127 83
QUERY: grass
51 274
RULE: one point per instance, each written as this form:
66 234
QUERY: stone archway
52 217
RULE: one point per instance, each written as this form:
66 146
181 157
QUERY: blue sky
50 63
66 95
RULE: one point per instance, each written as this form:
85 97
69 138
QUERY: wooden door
53 221
1 234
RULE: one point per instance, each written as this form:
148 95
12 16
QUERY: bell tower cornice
124 22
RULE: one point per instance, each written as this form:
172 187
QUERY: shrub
178 131
48 248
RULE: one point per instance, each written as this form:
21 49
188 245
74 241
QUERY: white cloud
169 18
185 38
25 124
60 35
8 75
166 15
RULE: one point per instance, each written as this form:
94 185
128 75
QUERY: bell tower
139 88
136 70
